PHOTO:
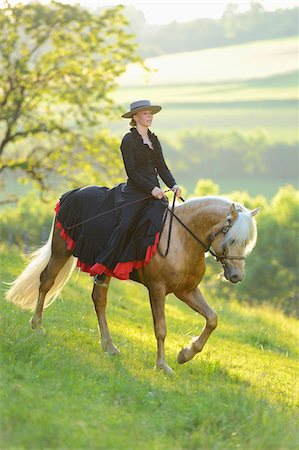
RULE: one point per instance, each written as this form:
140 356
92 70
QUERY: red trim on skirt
122 270
70 243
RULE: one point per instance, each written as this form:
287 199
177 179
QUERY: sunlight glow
162 12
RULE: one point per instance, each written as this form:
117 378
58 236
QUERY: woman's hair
133 123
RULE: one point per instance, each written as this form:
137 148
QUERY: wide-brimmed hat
141 105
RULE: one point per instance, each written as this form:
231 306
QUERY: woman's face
144 118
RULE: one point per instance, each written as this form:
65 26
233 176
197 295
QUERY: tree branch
8 92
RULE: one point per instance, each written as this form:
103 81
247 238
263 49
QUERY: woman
134 240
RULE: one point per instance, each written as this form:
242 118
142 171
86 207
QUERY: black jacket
143 164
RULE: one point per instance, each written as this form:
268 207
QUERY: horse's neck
201 215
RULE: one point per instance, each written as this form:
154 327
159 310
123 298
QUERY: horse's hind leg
60 255
99 297
157 299
196 301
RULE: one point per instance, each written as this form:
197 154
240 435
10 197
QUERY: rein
110 210
223 230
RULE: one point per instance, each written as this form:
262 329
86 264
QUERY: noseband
221 258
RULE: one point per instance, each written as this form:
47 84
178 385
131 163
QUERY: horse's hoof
168 370
182 357
110 349
36 324
113 351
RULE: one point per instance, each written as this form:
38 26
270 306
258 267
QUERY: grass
59 391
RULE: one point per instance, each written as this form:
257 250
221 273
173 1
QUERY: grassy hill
59 391
243 88
254 60
238 87
248 89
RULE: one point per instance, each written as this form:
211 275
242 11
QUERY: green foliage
230 154
60 64
272 273
205 187
29 221
59 391
272 268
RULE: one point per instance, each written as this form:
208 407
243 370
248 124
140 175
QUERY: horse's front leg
99 297
196 301
157 299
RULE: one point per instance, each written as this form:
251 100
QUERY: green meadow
245 106
208 89
59 391
210 95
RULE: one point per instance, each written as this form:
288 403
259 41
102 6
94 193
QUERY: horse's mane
243 233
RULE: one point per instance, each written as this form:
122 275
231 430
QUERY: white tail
24 290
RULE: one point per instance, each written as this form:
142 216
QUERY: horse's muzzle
233 275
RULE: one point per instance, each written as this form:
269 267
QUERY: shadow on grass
81 398
78 397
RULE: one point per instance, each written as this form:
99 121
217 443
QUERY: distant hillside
254 60
233 28
240 96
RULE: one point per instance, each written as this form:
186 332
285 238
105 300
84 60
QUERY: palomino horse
228 228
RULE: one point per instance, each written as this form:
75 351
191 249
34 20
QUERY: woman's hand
158 193
177 190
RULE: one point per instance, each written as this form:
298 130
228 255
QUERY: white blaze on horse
216 222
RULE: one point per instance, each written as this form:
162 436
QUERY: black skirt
112 231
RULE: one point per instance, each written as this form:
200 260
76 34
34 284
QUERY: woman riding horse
92 230
122 244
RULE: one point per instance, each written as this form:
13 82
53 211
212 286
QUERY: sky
166 11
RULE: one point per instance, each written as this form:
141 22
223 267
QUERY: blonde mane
243 233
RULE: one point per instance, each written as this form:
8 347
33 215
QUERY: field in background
60 391
241 87
254 60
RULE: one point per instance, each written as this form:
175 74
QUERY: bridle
207 248
221 258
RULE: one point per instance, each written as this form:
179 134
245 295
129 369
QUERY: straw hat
141 105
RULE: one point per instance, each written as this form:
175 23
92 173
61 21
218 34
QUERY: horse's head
234 239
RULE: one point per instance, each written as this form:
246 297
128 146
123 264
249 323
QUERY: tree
59 66
272 273
206 186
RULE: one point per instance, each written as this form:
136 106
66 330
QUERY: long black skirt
112 231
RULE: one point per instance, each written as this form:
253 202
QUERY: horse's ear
233 211
254 211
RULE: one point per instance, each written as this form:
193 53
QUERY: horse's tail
25 289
